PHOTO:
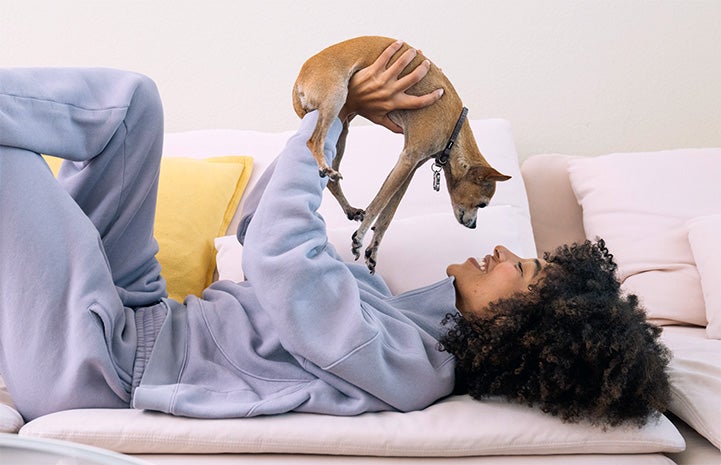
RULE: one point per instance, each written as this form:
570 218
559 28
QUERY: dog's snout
466 219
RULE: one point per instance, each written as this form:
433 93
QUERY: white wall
573 76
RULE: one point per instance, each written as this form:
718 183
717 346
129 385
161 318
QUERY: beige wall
573 76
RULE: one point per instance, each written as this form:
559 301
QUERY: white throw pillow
229 258
704 235
640 203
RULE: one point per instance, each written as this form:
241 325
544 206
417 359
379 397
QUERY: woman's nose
499 253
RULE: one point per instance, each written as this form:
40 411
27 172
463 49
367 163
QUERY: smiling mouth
486 262
482 265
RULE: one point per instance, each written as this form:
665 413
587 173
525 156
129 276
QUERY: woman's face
497 276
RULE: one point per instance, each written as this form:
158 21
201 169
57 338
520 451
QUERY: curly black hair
574 345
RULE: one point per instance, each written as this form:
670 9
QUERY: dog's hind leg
334 186
328 109
384 220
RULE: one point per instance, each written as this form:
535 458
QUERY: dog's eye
482 205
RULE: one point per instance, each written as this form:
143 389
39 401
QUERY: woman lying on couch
85 322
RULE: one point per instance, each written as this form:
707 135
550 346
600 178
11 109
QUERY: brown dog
438 131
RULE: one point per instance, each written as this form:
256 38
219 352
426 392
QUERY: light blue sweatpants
79 283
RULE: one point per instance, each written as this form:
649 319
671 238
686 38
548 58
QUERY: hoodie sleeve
313 298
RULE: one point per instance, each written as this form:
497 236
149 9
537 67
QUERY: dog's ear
487 173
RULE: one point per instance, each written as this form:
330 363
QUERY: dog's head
471 180
472 190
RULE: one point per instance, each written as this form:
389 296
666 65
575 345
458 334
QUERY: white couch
420 242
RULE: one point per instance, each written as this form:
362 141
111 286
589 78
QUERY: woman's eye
520 267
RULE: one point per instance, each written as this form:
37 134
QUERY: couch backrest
556 216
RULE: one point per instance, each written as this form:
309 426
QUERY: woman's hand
376 90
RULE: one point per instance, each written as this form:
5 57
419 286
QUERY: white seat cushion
457 426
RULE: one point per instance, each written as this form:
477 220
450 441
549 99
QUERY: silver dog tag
436 177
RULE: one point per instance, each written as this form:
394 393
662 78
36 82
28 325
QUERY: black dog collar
443 156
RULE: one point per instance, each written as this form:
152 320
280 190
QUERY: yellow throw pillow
196 202
197 199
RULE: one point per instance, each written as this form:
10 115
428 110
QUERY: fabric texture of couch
561 199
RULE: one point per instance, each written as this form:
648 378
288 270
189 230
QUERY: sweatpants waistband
148 321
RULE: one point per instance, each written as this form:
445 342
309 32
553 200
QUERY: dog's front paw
355 214
332 174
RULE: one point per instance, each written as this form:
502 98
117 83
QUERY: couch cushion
703 235
695 375
457 426
640 203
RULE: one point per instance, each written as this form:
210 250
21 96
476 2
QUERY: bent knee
146 103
